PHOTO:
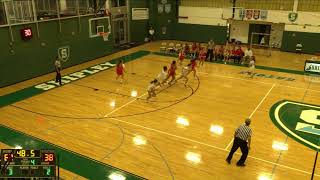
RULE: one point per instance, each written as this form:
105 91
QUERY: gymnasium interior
93 125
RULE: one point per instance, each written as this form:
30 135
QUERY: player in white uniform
252 66
162 76
185 72
152 89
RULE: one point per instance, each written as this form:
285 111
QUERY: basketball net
104 35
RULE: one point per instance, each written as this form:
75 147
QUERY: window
309 5
122 3
206 3
86 7
67 8
118 3
46 9
3 18
285 5
24 11
19 11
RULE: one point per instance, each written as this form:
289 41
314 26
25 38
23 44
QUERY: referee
242 139
57 65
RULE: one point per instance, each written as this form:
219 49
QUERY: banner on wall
256 14
249 13
140 13
253 14
167 8
263 14
241 13
160 8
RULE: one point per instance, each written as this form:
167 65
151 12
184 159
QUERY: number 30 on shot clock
26 33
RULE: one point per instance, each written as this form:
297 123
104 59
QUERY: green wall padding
138 28
310 41
200 33
28 59
164 20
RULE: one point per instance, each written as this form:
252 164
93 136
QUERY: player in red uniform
193 67
202 56
193 49
181 56
187 49
120 70
172 72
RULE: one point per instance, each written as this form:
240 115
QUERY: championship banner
249 13
160 8
263 14
256 14
241 14
167 8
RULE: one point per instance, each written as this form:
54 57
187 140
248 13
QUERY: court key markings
257 82
262 100
208 145
117 109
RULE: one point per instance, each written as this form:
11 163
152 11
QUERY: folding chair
170 48
163 47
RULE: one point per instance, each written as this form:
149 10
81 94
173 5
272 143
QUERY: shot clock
26 33
28 163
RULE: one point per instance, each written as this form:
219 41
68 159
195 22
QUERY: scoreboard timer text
26 33
22 163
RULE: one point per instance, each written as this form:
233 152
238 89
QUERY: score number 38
48 157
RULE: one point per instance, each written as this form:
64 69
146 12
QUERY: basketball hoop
104 35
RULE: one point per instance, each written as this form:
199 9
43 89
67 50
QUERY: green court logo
64 53
299 121
293 16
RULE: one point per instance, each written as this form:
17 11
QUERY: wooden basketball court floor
145 138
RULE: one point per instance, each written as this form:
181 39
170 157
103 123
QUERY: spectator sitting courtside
299 48
151 33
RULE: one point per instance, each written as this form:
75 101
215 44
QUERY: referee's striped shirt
243 132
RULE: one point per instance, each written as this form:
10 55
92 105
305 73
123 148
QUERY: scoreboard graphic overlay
31 163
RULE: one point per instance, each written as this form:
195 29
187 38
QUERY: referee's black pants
58 76
209 53
237 142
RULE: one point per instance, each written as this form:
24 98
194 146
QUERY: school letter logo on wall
64 53
298 120
293 16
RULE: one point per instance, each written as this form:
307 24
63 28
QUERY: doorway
259 28
120 29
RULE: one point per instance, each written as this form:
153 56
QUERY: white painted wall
303 17
276 33
302 28
240 29
201 15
